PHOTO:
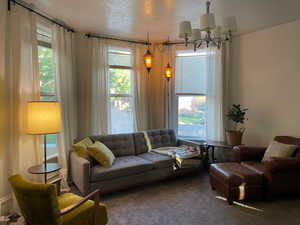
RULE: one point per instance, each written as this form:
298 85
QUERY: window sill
52 158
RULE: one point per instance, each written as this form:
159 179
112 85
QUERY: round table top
41 169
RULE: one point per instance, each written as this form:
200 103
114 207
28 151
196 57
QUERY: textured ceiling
134 18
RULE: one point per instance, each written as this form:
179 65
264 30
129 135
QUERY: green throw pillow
81 148
101 153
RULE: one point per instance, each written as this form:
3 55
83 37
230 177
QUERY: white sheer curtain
4 173
20 83
63 51
98 50
141 79
23 82
214 95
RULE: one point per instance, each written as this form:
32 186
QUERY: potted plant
238 116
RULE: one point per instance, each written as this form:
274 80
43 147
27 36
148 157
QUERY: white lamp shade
43 117
185 29
207 21
230 24
196 34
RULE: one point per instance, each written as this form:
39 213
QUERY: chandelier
208 35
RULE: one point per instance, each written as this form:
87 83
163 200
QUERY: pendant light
168 69
148 56
208 34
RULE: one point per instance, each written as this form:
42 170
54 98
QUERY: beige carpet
190 201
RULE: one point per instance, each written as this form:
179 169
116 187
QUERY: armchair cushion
81 215
256 167
277 149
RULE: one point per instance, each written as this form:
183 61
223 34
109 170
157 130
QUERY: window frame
48 44
110 95
188 53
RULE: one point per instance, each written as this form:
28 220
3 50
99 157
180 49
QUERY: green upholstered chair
42 204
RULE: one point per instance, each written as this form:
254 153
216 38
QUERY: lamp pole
45 157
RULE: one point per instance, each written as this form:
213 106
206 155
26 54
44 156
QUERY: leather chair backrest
290 141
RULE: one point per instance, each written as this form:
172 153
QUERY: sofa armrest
80 171
247 153
283 164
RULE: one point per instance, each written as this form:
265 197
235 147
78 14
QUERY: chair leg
230 201
96 207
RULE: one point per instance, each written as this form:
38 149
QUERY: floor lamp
43 117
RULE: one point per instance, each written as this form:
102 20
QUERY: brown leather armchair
281 175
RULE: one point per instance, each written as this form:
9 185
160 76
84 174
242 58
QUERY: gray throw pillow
277 149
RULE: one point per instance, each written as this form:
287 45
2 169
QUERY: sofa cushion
123 166
119 144
140 143
162 138
256 167
160 161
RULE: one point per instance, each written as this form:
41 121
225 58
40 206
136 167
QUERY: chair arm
94 195
57 182
283 164
247 153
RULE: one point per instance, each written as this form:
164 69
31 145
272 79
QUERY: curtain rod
118 39
41 15
176 43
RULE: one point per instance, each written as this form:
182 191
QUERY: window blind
190 74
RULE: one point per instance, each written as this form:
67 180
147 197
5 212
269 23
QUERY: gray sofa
133 165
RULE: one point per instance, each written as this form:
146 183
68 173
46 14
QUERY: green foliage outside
47 85
196 113
120 81
47 78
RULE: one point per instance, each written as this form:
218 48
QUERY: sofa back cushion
140 143
162 138
290 141
119 144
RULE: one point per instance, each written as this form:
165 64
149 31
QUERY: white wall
266 79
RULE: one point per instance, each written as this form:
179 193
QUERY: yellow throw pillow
101 153
81 148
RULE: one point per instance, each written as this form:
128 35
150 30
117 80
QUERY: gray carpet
190 201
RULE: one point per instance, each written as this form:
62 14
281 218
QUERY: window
120 85
47 79
190 91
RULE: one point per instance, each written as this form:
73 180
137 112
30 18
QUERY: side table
211 145
42 169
